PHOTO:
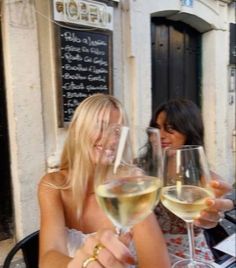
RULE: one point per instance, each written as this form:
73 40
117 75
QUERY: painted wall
212 19
24 107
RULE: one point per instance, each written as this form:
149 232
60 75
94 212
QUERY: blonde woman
74 231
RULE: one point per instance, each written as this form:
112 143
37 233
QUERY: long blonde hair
92 114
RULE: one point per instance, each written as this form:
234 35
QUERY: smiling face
169 136
103 130
90 119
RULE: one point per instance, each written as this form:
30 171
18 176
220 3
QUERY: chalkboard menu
85 67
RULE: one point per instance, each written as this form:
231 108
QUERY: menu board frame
60 70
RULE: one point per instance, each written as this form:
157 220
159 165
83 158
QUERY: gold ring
97 249
87 261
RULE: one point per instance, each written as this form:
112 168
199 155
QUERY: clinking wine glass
128 175
186 180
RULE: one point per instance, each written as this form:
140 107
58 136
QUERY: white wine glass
186 179
128 175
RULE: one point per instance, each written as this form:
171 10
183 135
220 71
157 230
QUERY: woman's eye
169 128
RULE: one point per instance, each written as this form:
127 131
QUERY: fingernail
217 183
210 202
130 259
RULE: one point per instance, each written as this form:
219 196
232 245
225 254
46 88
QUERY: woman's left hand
210 216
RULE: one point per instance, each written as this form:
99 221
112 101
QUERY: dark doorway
5 189
176 55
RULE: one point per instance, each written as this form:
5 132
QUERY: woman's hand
104 249
210 217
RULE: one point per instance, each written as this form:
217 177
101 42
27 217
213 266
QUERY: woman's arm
52 246
150 244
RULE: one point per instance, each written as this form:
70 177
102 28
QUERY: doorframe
6 202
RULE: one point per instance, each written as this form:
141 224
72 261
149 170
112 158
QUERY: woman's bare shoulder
56 179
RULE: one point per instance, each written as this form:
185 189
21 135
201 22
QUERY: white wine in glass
186 186
128 176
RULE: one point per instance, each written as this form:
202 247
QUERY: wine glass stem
191 240
122 230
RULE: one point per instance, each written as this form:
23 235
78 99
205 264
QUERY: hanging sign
81 12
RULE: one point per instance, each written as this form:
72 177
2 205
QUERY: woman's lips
164 145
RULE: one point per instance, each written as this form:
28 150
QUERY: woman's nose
162 133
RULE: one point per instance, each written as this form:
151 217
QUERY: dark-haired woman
180 123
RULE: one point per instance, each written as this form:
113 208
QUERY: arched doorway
176 58
5 189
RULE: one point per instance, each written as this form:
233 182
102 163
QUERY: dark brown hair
183 116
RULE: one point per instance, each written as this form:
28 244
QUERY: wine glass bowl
128 174
186 185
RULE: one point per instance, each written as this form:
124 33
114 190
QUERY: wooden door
176 55
5 189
